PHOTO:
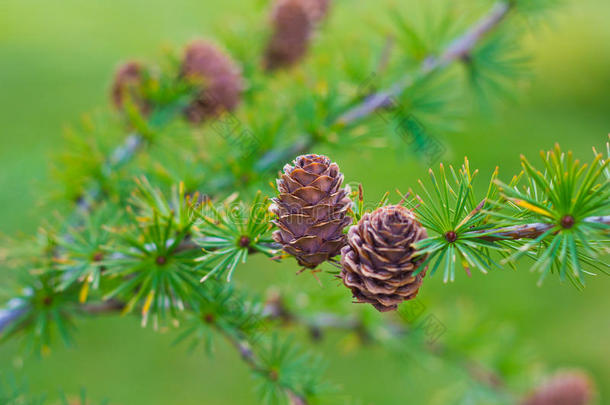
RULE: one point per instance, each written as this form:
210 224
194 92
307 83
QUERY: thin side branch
462 46
534 230
526 231
10 315
250 358
456 50
103 307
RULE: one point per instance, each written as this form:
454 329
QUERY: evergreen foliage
166 209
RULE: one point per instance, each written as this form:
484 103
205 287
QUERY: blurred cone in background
127 85
564 388
293 23
219 76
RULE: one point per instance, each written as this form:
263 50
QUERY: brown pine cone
219 76
311 210
377 263
292 28
564 388
128 83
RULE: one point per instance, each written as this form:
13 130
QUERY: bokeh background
56 61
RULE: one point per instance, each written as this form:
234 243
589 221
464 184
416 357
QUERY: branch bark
103 307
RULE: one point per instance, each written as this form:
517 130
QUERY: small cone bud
311 210
564 388
378 263
220 79
128 84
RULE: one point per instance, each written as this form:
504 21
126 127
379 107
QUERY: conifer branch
10 315
456 50
532 231
102 307
168 238
516 232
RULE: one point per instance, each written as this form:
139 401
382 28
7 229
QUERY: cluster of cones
213 70
377 257
378 263
205 65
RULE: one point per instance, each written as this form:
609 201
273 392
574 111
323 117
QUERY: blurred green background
56 61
